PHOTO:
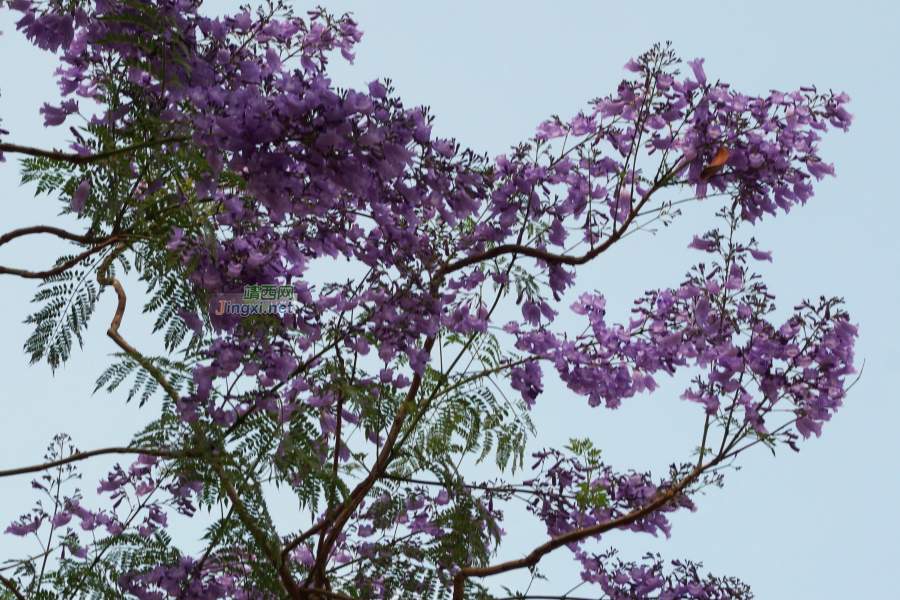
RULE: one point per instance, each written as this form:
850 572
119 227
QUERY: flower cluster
622 580
715 321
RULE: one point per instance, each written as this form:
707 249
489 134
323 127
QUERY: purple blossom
80 196
23 528
191 320
57 115
760 255
705 245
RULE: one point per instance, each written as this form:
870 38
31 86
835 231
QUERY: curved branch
60 233
85 455
63 267
576 536
272 553
85 159
113 331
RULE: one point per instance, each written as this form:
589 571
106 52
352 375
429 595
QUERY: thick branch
579 534
86 159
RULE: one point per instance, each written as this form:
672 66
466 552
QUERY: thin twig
84 455
63 267
28 560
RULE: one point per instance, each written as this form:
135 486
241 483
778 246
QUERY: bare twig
25 561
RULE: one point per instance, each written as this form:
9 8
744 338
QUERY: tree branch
575 536
113 331
85 455
245 517
259 536
550 257
85 159
25 561
63 267
11 587
346 508
60 233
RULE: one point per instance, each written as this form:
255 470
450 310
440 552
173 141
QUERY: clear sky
818 524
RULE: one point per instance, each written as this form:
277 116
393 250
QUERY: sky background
818 524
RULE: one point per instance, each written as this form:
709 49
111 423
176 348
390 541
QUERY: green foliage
143 221
50 175
69 301
588 495
145 384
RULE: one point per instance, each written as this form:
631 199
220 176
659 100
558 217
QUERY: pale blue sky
821 524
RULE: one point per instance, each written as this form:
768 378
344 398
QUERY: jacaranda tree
214 160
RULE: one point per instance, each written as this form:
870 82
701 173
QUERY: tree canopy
224 170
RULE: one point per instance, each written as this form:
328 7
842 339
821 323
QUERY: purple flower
22 529
705 245
56 116
696 66
80 196
549 130
632 66
176 238
377 89
656 122
819 169
191 320
760 255
61 519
